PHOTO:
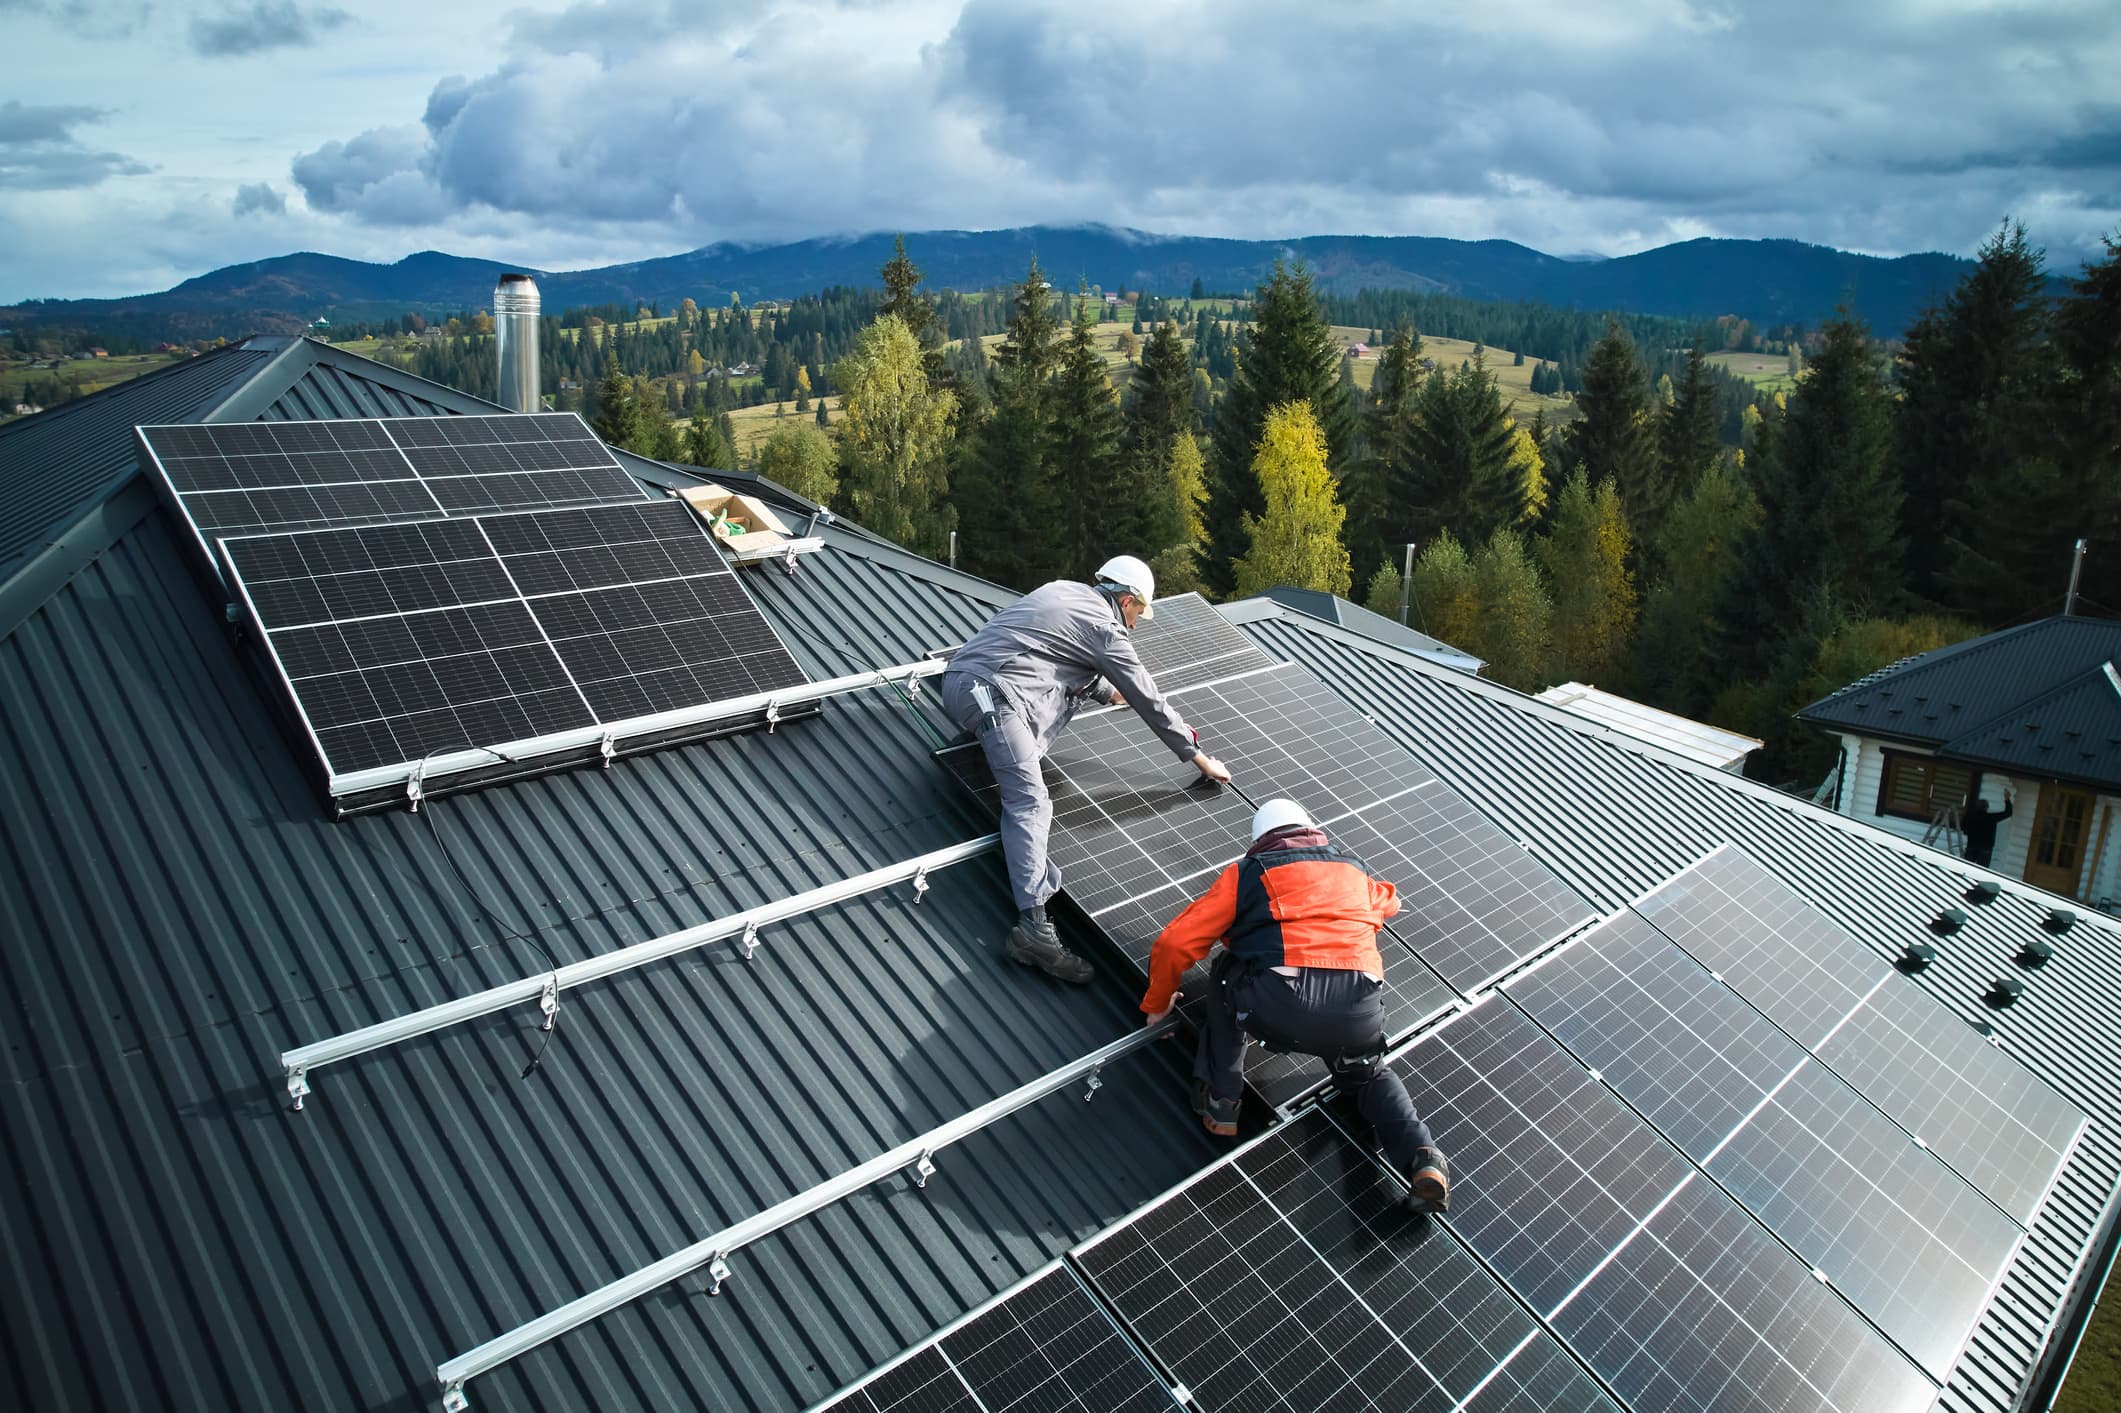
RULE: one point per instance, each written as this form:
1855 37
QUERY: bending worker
1017 682
1300 972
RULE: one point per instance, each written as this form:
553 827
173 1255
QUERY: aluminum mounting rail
713 1252
545 987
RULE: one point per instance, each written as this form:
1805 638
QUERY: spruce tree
1286 354
1375 488
1104 509
1976 381
1674 665
1829 502
1585 556
1688 437
1005 494
1159 414
2087 334
1614 438
1454 471
618 414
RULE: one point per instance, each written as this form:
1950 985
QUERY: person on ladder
1300 971
1017 682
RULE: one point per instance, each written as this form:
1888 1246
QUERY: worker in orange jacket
1300 972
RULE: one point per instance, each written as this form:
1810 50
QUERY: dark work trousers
1338 1016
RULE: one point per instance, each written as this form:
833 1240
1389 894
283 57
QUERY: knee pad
1354 1071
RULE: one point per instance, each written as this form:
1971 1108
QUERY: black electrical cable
508 930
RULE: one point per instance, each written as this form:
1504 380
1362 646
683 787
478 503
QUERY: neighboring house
1696 740
179 908
2035 709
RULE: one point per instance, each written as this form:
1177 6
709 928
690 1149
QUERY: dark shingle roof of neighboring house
1332 608
181 908
2039 698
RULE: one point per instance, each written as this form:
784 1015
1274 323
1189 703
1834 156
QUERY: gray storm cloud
39 152
1895 126
268 24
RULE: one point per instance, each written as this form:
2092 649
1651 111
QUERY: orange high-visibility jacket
1300 902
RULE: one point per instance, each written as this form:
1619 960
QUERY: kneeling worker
1299 919
1019 680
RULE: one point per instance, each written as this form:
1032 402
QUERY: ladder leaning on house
1944 830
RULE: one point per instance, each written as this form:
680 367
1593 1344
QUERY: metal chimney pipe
515 330
2076 567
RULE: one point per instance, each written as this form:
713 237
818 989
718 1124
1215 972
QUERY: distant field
755 424
1770 372
1514 383
94 374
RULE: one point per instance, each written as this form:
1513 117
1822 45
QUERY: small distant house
98 353
320 323
1112 301
1358 350
27 409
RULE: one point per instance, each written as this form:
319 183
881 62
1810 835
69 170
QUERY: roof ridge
101 397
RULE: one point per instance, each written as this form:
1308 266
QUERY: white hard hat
1132 575
1278 814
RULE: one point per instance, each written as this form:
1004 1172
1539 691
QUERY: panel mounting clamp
549 999
773 714
416 786
924 1167
750 940
1092 1082
608 748
717 1272
920 882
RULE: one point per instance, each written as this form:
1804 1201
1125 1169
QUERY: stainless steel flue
515 330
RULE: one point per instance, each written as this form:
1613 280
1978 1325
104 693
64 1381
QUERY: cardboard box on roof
739 521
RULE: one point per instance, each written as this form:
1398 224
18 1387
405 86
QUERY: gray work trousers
1013 754
1337 1016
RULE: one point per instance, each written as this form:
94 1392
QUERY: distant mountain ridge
1768 281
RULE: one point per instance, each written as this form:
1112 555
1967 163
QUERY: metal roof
1334 609
1975 700
1615 816
1696 740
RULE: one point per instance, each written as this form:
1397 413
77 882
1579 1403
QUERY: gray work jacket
1058 647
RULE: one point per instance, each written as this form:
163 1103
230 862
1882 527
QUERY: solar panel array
1912 1244
1188 643
1980 1111
1288 1278
1671 1292
1043 1348
240 478
443 595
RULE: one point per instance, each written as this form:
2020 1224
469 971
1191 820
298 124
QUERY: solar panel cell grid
1049 1348
1188 642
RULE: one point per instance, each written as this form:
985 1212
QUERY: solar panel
1911 1243
1288 1278
1976 1108
1473 903
502 636
1042 1348
1674 1296
245 478
1188 643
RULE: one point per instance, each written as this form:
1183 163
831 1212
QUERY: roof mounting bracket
297 1084
549 999
608 748
416 786
920 883
1092 1082
750 940
788 560
717 1272
924 1167
773 714
453 1399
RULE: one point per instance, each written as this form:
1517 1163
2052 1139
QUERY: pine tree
894 440
1378 518
1688 440
705 447
1585 556
1455 468
1287 354
1976 381
1674 666
618 415
2087 335
1006 500
1103 509
1296 539
1614 439
1829 506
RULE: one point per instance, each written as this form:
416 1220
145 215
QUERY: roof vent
2003 991
1988 890
1949 921
1917 956
515 326
2059 920
2035 954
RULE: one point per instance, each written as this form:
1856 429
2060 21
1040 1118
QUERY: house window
1916 787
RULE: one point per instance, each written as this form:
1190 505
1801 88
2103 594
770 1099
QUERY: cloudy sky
143 143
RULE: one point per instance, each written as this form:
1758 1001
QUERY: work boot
1218 1116
1034 943
1429 1180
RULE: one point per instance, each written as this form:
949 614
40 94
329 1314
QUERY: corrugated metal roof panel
55 464
184 910
1614 817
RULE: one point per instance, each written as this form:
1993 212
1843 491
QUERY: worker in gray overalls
1017 682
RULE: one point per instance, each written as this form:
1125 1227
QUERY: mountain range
1768 281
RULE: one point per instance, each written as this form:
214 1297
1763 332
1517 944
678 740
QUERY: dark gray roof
2034 698
1615 816
1332 608
180 909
